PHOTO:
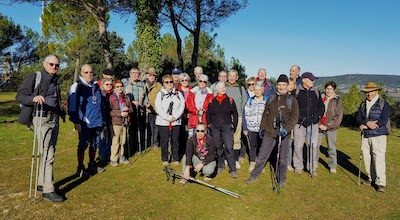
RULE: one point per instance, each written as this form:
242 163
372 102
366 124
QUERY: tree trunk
76 70
105 43
196 34
177 36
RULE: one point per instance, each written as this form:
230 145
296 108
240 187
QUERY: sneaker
250 180
238 165
290 168
39 188
252 166
220 170
332 170
175 163
367 182
298 172
263 171
114 163
182 181
281 185
241 159
53 197
82 172
165 163
314 174
126 162
155 147
207 179
380 188
226 162
234 174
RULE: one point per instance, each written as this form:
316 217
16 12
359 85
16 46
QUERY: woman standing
184 84
105 138
222 120
330 122
252 114
250 86
170 105
121 107
197 103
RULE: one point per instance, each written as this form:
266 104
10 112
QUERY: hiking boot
237 164
241 159
175 163
126 162
155 147
93 169
252 166
234 174
298 172
332 170
53 197
380 188
165 163
367 182
314 174
207 179
281 185
290 168
263 171
250 180
81 172
182 181
220 169
114 163
39 188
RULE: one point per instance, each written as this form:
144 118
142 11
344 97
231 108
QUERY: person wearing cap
107 74
136 92
269 87
198 71
152 88
330 122
373 116
311 110
175 77
277 121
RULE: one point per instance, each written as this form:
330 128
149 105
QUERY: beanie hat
283 78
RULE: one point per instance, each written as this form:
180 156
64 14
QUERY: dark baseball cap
108 72
176 71
309 75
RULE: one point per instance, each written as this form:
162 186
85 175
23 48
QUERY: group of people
205 126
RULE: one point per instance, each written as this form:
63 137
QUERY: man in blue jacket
86 110
373 116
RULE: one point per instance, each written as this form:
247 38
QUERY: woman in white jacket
170 105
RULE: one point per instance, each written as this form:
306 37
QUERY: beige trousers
237 135
374 151
118 142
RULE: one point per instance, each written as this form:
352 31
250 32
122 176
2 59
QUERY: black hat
283 78
176 71
309 75
108 72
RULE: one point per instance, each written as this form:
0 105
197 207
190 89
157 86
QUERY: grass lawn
140 190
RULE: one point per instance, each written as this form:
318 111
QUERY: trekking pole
33 150
138 128
361 156
312 151
277 172
170 107
40 147
146 128
273 179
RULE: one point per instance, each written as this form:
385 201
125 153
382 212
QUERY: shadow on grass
344 163
70 183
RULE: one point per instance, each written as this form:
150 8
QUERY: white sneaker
238 165
207 179
252 166
332 170
290 168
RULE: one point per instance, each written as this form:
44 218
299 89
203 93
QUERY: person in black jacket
311 110
46 97
200 154
222 118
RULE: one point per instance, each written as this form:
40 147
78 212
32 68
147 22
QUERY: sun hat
371 86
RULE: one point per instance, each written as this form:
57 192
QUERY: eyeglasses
91 72
202 81
250 84
108 84
202 131
184 80
54 64
167 82
119 86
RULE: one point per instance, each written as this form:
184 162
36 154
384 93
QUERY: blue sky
326 37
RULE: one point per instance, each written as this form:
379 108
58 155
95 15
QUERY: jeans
154 140
105 142
309 133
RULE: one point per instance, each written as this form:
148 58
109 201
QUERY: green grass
141 191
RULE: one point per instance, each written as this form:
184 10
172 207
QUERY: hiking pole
273 180
361 156
169 170
169 111
146 128
138 128
40 147
33 150
277 172
312 152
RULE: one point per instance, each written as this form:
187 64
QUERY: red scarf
220 98
323 119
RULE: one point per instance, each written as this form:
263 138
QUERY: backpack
289 100
381 105
26 115
298 91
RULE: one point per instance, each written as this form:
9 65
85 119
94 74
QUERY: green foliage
352 100
235 64
10 33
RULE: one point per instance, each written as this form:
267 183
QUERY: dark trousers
165 135
267 146
91 137
223 136
154 138
255 141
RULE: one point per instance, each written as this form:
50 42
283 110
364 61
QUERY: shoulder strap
381 103
271 98
240 90
297 91
289 101
38 78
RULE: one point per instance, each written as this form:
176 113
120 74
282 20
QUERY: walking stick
277 172
138 128
170 107
361 156
38 133
146 128
33 149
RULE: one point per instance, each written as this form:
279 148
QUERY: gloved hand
261 133
282 132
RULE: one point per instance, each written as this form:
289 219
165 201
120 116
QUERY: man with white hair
269 87
198 71
222 77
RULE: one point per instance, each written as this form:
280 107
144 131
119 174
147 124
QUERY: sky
325 37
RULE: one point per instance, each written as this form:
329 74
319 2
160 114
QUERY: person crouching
200 154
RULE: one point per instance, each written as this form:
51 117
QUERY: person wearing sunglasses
107 74
250 86
197 103
200 154
170 105
86 111
198 71
48 95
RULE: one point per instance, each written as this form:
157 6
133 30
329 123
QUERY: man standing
280 116
47 95
311 110
239 95
175 77
373 116
107 74
198 71
135 90
269 87
86 111
222 77
152 88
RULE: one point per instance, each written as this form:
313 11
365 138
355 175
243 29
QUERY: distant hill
344 82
